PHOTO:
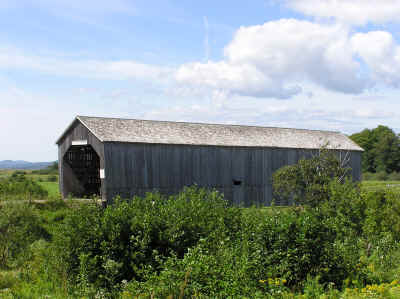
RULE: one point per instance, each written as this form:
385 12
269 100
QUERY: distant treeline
382 150
52 169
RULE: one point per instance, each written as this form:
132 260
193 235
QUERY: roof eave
355 149
77 118
66 130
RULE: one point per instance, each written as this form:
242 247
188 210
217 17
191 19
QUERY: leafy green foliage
194 245
52 169
19 227
387 221
382 149
381 176
104 247
18 186
307 181
296 244
52 178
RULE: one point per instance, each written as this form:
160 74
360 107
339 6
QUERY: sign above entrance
79 142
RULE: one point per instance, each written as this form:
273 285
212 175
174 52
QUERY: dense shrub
19 172
381 176
19 227
222 272
394 176
293 245
307 181
387 220
195 245
128 238
20 187
52 178
275 251
52 169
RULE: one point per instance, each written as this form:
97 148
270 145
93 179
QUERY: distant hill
9 164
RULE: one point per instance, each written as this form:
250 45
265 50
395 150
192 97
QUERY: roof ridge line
87 127
211 124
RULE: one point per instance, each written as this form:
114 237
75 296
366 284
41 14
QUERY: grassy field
371 186
52 187
5 173
43 180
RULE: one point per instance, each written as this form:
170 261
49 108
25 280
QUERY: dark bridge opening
83 166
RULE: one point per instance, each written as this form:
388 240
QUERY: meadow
195 245
370 186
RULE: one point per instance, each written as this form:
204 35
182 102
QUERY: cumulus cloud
241 79
250 112
357 12
273 60
270 59
381 53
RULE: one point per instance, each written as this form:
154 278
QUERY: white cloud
381 54
365 112
357 12
270 60
241 79
244 111
273 60
95 69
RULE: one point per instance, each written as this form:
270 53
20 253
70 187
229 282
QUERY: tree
382 149
307 182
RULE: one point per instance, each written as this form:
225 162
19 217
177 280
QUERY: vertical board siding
67 181
134 169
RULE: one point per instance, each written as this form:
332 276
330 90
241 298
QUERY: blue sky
317 64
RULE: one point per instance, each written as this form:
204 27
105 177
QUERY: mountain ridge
21 164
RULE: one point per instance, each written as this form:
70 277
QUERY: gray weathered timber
134 169
166 163
68 182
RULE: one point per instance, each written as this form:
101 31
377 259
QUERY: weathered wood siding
77 132
355 164
134 169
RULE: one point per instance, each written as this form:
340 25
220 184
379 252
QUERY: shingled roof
167 132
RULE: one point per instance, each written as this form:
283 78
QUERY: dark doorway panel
85 165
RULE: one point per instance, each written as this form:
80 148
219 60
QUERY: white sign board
79 142
102 174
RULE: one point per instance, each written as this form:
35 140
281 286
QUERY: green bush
18 172
52 169
104 247
368 176
394 176
294 245
19 227
20 187
307 181
223 272
52 178
194 244
271 255
382 215
381 176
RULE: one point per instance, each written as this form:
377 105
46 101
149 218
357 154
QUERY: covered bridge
127 157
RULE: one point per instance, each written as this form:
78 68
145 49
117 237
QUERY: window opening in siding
237 182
